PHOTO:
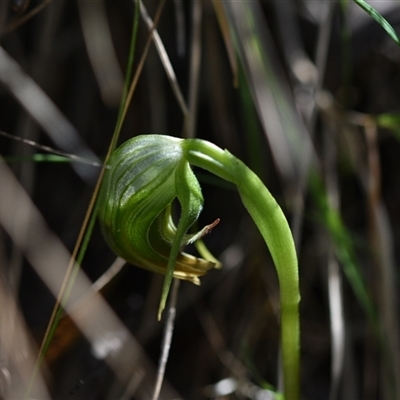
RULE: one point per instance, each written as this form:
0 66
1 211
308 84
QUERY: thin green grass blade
128 77
37 158
379 19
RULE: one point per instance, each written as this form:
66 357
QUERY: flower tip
196 280
210 227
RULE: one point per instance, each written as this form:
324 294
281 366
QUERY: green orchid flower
146 174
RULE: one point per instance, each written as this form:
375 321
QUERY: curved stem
275 230
208 156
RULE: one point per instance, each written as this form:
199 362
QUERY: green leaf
379 19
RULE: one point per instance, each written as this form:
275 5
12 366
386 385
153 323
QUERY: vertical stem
275 230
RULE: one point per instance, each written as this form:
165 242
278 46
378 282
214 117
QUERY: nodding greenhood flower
146 174
144 177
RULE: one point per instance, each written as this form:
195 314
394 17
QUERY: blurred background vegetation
306 93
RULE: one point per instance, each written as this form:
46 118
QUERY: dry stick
142 59
165 60
100 283
51 150
26 17
88 214
167 338
107 276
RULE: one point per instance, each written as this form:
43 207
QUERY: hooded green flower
145 175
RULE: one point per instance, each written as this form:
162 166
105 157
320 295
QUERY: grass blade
379 19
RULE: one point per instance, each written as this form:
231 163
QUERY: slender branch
164 59
167 339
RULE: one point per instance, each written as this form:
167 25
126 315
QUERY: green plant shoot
146 174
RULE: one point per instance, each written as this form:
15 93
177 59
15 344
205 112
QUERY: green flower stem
275 230
208 156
